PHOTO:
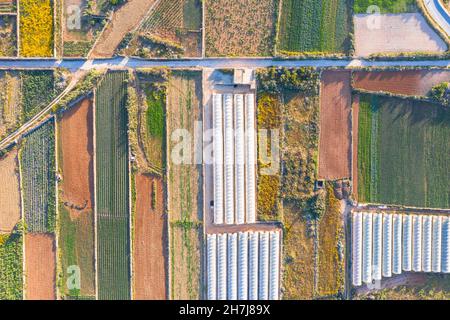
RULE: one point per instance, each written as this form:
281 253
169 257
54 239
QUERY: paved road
439 14
211 63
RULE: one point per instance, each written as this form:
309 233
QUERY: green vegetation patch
403 152
37 158
38 90
313 26
386 6
112 188
76 244
156 101
11 274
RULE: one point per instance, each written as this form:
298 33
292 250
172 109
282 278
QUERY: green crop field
113 261
403 152
11 276
38 90
314 26
76 242
386 6
37 158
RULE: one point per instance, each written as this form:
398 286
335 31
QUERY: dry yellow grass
240 27
298 248
9 102
36 28
331 266
9 192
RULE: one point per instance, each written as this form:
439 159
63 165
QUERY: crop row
403 152
112 188
314 26
38 178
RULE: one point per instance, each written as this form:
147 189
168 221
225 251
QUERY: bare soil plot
76 137
40 267
9 192
76 224
407 82
395 33
335 125
8 36
150 242
240 27
125 19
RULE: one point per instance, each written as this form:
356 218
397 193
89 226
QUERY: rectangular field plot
185 261
76 193
314 26
113 242
40 267
8 35
36 28
403 152
240 28
150 245
11 265
335 125
184 111
38 178
9 192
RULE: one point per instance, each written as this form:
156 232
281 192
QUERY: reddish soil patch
125 19
355 126
40 267
150 246
335 124
410 82
76 139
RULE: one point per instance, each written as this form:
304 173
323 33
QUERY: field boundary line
19 151
18 28
277 27
203 29
94 147
56 231
130 215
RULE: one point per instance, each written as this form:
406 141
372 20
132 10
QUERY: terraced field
314 26
403 152
112 188
37 158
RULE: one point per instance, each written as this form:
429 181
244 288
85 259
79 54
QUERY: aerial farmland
224 150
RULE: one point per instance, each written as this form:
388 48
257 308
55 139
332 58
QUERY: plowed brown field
150 243
335 125
77 158
408 82
40 267
9 192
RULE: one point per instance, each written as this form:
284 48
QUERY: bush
441 94
276 80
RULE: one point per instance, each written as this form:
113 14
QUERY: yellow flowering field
36 28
